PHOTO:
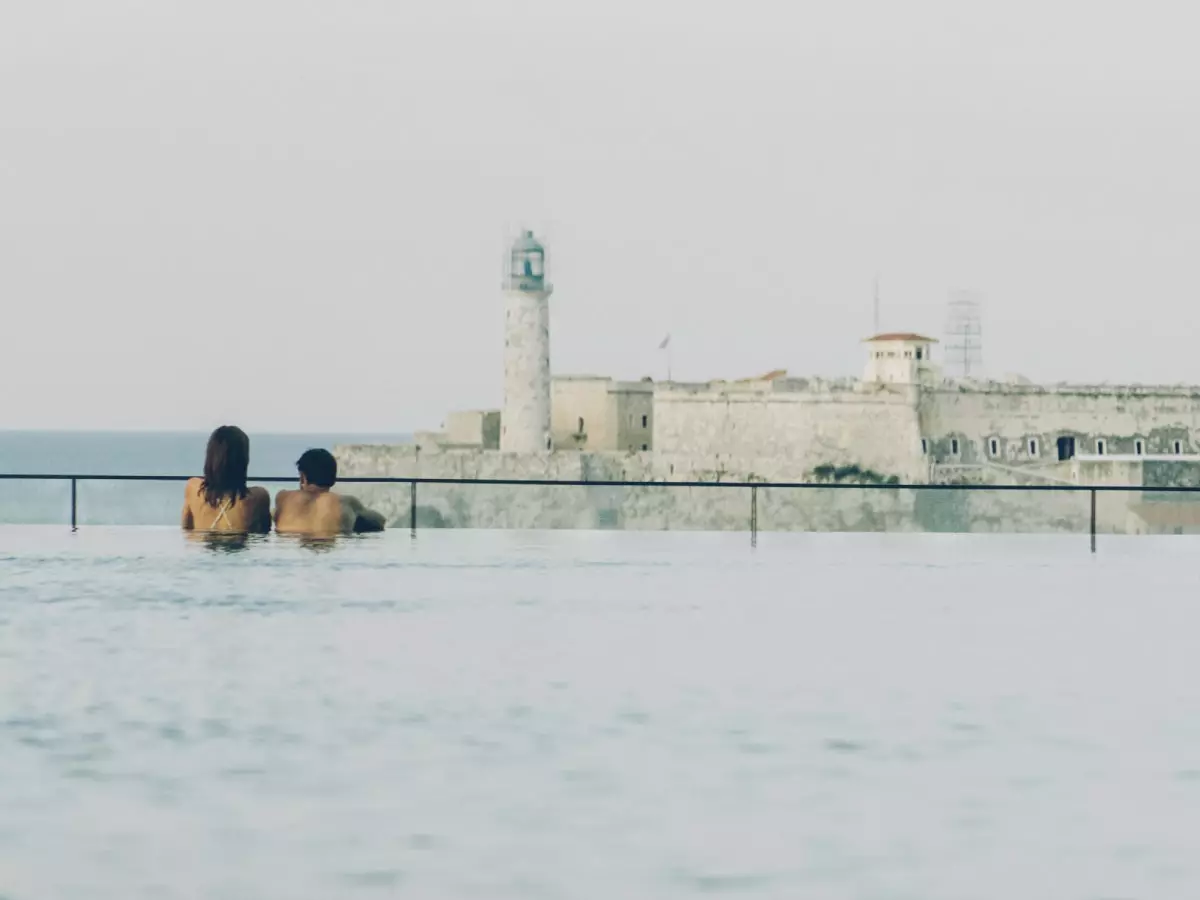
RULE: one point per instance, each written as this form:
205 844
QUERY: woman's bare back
251 513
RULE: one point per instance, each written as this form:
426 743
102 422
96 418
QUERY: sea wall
660 506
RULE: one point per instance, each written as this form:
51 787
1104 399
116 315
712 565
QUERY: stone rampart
873 427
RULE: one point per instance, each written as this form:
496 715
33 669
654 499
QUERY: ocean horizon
166 453
158 452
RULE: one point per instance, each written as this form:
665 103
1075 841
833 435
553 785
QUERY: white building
597 413
900 358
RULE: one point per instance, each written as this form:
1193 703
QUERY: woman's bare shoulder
192 488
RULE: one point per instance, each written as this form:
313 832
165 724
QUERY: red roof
901 336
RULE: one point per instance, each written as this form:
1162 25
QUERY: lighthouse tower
525 420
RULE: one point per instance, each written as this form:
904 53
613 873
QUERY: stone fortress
902 421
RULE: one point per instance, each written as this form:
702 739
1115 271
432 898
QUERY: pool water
597 715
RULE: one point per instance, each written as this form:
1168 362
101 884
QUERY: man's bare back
309 512
315 509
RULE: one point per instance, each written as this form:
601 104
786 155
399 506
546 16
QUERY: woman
220 501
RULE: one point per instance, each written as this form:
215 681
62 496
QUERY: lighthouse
525 419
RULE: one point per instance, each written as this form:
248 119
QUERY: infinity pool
597 715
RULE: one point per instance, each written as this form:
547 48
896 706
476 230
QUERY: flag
665 341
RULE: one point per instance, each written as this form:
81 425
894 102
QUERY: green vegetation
852 474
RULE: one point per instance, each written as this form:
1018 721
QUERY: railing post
754 516
1093 493
74 526
412 507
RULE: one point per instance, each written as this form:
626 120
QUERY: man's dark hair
318 466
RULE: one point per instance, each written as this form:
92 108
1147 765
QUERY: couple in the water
221 501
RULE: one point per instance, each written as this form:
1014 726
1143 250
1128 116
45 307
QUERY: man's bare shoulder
291 501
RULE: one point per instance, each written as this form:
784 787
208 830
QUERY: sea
131 453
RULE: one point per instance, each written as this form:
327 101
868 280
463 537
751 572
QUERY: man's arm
364 519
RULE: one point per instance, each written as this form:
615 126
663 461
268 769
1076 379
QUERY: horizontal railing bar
547 482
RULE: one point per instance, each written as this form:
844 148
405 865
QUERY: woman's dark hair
226 462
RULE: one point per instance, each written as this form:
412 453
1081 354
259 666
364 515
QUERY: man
315 509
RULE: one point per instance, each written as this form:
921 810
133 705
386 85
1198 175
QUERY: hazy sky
293 215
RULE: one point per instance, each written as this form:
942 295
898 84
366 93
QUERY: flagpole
876 323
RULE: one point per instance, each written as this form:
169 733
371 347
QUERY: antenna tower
964 333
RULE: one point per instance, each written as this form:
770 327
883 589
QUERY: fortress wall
1015 413
875 428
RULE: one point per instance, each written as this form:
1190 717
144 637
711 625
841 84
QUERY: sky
293 215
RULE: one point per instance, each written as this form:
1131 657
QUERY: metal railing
753 487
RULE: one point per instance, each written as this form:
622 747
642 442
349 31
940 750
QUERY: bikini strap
221 515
